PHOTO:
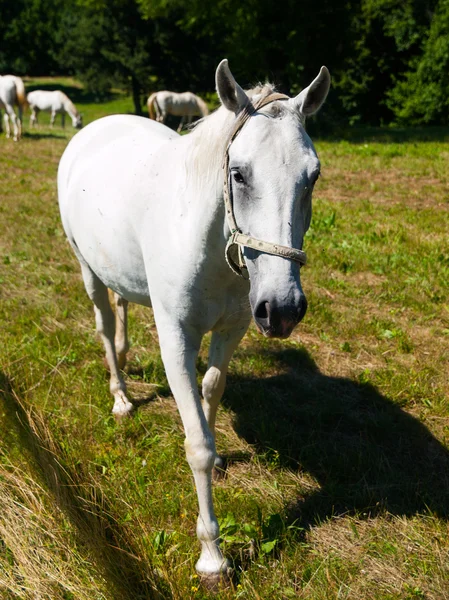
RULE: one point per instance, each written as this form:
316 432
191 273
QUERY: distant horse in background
187 104
12 91
55 102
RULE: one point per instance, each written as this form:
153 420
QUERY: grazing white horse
12 91
162 104
55 102
159 218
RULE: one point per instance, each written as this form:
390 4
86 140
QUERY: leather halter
237 238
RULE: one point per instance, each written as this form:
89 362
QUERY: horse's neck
204 183
69 107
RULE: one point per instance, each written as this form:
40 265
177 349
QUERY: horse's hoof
122 408
215 582
121 417
125 413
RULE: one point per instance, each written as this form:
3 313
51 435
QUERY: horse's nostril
302 309
262 310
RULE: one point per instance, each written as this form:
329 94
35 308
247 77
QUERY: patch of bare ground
390 555
385 186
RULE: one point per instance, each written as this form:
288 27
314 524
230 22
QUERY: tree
28 36
421 95
385 36
108 44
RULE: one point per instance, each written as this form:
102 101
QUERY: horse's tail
150 104
203 107
20 93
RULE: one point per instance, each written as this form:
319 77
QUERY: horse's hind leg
181 123
105 322
7 125
20 119
10 114
121 330
33 116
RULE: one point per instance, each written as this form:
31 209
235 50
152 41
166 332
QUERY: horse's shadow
366 453
35 135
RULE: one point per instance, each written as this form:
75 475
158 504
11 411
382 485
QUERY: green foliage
28 36
385 35
421 95
388 58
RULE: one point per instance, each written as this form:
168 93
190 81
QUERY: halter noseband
237 238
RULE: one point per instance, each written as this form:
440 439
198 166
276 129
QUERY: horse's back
46 99
113 133
104 187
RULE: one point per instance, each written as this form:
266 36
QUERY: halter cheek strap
238 240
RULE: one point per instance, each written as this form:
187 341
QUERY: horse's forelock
210 136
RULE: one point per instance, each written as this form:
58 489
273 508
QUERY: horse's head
77 121
272 169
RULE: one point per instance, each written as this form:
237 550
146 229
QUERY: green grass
337 438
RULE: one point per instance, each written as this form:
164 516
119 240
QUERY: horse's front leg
222 347
105 322
179 351
52 118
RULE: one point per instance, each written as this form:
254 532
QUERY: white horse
159 218
161 104
12 91
55 102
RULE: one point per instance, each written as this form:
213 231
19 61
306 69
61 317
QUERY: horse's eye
238 177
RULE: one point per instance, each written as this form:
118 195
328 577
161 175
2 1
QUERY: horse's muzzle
276 321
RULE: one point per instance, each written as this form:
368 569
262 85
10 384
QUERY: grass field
338 477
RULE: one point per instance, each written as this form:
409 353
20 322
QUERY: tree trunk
136 95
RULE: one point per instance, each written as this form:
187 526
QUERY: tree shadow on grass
367 454
83 503
383 135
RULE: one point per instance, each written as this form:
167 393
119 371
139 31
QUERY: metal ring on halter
237 238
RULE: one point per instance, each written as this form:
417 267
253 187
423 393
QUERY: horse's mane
210 136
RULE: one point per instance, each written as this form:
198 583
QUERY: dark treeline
389 59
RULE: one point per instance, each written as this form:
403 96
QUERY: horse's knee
213 385
200 453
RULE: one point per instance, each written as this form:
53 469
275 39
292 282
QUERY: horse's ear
230 93
311 98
